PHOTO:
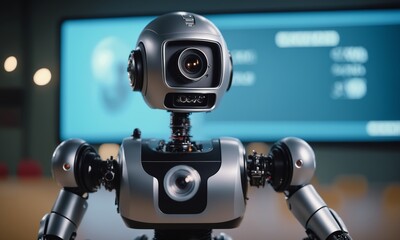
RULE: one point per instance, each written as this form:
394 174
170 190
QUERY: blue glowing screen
321 76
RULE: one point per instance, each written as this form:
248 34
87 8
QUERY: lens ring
193 64
181 183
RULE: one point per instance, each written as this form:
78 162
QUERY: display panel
321 76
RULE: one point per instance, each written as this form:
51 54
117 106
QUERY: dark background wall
29 113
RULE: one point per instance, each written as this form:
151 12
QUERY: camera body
180 190
181 64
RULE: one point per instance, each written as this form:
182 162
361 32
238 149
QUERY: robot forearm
311 211
64 218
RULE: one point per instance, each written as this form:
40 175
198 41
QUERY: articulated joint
78 168
290 163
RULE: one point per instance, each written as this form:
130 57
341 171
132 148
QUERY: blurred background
48 66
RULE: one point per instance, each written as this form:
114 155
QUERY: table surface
372 213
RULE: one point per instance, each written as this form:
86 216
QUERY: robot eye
192 64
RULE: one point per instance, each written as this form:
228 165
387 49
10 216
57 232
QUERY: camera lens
192 64
184 183
181 183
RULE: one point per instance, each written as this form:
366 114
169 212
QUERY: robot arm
79 170
64 218
288 168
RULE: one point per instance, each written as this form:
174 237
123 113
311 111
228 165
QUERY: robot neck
180 134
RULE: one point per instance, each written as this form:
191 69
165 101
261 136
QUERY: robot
184 189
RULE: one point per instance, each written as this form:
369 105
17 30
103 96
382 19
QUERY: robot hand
79 170
288 168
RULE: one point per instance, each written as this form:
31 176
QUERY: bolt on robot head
181 64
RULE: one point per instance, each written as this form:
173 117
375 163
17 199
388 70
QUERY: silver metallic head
181 63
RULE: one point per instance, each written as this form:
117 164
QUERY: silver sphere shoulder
63 162
303 158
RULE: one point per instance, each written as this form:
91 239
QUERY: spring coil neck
180 140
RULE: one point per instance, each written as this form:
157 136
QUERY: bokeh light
106 150
42 77
10 64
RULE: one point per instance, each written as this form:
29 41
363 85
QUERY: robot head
181 64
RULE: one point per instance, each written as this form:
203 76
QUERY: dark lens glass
192 64
183 182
